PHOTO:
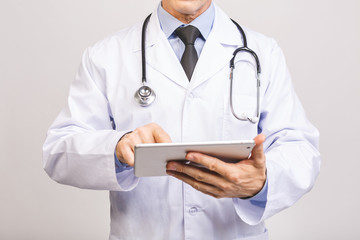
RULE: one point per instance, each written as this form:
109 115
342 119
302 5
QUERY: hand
150 133
220 179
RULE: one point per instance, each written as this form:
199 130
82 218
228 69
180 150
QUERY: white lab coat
79 149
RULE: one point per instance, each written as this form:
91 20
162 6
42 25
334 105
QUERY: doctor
90 144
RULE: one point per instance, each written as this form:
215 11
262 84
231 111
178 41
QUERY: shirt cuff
125 175
251 210
260 198
119 166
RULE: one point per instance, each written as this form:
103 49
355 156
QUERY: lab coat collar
159 54
215 55
218 49
225 30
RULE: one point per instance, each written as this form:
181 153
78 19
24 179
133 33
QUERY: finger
200 174
153 133
126 152
144 135
259 139
257 152
128 155
212 163
202 187
150 133
126 147
160 136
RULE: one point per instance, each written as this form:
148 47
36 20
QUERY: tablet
151 159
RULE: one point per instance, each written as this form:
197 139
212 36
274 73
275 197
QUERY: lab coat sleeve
80 144
292 158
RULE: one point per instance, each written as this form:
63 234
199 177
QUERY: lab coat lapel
160 56
218 49
213 58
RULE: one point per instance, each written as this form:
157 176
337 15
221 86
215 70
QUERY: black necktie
189 58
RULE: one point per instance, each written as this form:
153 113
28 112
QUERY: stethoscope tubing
143 52
145 96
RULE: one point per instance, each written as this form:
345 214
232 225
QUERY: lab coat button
193 211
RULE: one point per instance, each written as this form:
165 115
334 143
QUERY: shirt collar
169 23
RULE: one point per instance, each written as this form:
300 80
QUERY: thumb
257 154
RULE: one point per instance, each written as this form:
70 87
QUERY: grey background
40 49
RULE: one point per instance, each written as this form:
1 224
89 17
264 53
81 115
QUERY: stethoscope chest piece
145 96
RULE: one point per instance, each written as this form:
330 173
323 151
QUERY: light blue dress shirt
204 23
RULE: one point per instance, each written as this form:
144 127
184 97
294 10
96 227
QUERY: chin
188 7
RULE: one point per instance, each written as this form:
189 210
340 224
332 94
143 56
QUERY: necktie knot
188 34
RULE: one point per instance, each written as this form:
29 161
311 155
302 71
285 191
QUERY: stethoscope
145 96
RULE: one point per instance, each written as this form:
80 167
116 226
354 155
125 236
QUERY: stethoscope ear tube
248 50
244 48
244 116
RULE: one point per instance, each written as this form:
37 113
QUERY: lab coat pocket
233 128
